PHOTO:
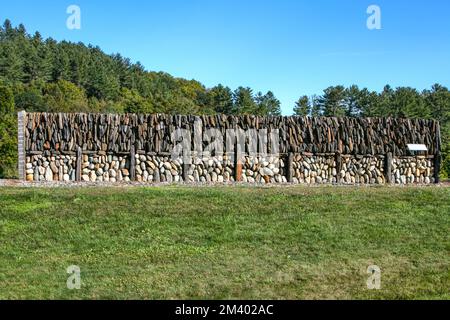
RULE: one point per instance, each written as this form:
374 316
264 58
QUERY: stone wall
108 168
50 168
413 170
155 169
124 148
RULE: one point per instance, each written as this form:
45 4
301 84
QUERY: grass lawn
225 242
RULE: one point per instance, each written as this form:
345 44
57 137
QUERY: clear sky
292 47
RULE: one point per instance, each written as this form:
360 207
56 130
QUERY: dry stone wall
130 147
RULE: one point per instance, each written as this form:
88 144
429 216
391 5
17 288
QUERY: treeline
50 76
44 75
402 102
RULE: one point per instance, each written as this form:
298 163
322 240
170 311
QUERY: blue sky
290 47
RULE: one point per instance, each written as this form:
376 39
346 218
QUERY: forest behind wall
43 75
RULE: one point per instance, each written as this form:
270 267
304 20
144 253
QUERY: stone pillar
21 144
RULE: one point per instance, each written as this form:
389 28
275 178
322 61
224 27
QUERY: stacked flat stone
108 168
50 168
115 133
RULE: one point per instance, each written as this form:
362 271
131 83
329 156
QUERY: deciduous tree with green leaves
8 134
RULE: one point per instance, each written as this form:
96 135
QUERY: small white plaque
417 147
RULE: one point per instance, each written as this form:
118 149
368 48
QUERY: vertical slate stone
338 158
132 163
185 168
237 163
79 162
290 169
388 167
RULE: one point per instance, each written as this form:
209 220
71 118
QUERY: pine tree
315 106
243 101
332 102
267 104
352 101
221 99
302 106
407 102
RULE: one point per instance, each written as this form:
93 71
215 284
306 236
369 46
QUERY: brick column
21 144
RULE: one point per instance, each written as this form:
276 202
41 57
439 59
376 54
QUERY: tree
386 107
315 106
267 105
30 99
64 96
132 102
243 102
8 134
221 99
11 65
60 62
438 102
352 101
369 103
302 106
332 102
6 100
407 102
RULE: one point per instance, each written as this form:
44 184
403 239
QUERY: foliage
400 102
44 75
302 106
60 76
8 134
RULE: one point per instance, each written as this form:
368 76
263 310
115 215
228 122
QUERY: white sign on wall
417 147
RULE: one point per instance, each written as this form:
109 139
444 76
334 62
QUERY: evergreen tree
332 102
352 101
11 65
369 103
302 106
386 106
315 106
407 102
267 105
243 101
221 99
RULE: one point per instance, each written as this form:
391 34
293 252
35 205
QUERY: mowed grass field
178 242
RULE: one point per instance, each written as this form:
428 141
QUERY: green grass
225 242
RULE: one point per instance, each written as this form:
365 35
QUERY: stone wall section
125 148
